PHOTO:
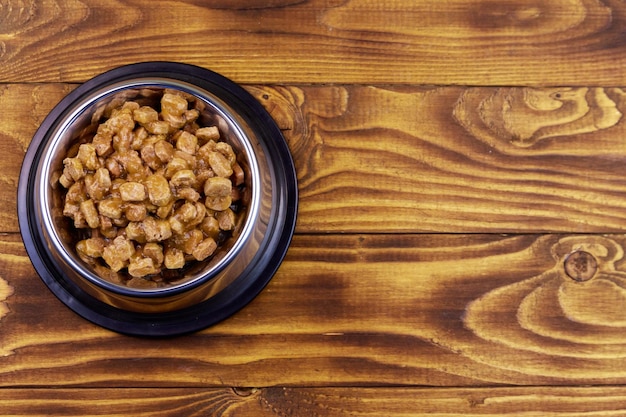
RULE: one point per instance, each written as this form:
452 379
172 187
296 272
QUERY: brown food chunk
174 258
117 254
132 191
92 247
73 169
176 164
226 219
173 108
185 178
187 142
153 251
87 156
140 267
88 209
136 212
210 226
208 133
98 184
218 193
164 151
204 249
219 164
159 191
145 115
111 208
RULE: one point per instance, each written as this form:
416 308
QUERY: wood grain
355 310
368 402
374 159
477 42
460 246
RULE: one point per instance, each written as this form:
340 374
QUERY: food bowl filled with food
157 199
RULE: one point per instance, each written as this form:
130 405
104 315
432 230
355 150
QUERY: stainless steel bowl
206 292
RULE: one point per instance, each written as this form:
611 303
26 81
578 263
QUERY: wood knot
244 391
580 266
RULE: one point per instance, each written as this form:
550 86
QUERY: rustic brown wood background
450 154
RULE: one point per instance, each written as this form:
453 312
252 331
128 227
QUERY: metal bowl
207 291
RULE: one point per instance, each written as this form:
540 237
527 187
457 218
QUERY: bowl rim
81 107
246 286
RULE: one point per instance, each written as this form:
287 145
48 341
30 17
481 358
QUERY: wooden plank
414 159
437 310
322 402
478 42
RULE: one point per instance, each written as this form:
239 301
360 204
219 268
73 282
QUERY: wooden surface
450 155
